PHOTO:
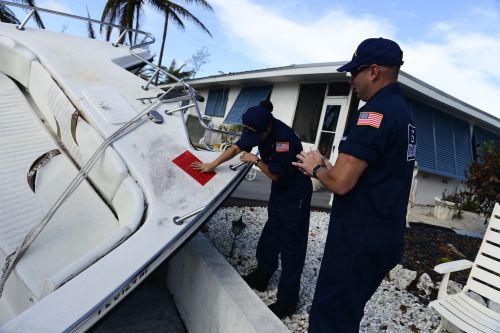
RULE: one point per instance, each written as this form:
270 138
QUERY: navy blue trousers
285 233
355 261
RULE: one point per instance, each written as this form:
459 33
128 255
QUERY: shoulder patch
282 147
373 119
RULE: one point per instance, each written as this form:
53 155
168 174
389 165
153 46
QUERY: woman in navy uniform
371 180
287 227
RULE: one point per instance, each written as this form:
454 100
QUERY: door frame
341 123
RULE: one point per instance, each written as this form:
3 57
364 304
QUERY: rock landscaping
399 304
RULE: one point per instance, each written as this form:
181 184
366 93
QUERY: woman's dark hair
267 104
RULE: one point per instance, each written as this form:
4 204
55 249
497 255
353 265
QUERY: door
331 126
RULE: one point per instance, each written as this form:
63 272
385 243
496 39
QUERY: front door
331 126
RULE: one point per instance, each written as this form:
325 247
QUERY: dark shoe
257 280
282 310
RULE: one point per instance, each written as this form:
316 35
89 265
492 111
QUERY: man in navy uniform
371 181
287 227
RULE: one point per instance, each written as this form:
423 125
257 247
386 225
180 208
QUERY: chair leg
447 327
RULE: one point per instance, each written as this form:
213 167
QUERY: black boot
282 310
257 280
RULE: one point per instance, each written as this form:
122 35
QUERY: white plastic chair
484 279
251 175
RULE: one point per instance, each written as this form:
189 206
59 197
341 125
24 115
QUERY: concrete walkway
470 224
256 192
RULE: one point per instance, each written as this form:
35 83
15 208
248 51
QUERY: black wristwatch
316 169
256 163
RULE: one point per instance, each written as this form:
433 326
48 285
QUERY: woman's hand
248 157
203 167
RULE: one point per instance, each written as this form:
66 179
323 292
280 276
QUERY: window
443 142
482 135
216 102
328 130
308 111
338 89
248 97
479 137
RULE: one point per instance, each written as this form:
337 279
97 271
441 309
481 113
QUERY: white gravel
389 310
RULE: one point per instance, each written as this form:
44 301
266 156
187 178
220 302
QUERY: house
316 100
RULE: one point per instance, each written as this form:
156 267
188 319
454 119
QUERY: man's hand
307 161
326 163
203 167
248 157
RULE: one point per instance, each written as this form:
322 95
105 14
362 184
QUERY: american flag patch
282 147
373 119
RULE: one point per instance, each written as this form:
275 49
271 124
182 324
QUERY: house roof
291 73
327 72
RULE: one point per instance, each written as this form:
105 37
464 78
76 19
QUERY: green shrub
482 184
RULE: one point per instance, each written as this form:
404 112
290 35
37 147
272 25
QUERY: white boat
68 108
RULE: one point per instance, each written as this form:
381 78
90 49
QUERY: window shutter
426 155
463 148
443 130
216 102
248 97
443 141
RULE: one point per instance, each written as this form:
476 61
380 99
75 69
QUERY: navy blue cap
379 51
255 122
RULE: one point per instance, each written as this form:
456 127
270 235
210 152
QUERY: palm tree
178 72
128 12
6 15
123 13
176 13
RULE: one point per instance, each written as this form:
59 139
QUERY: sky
453 45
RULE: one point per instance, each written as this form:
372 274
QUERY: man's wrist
316 169
256 162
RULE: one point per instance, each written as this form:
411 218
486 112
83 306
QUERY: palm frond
38 19
6 15
90 28
109 15
202 3
187 15
127 19
176 20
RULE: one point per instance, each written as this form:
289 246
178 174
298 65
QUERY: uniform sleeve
243 147
366 142
281 157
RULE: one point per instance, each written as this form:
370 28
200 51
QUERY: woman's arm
225 156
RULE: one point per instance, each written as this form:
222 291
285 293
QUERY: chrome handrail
77 17
142 44
179 220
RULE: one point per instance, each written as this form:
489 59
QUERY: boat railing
148 39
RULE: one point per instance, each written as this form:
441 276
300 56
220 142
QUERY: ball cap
379 51
255 122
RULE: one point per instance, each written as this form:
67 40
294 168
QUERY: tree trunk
165 27
136 23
